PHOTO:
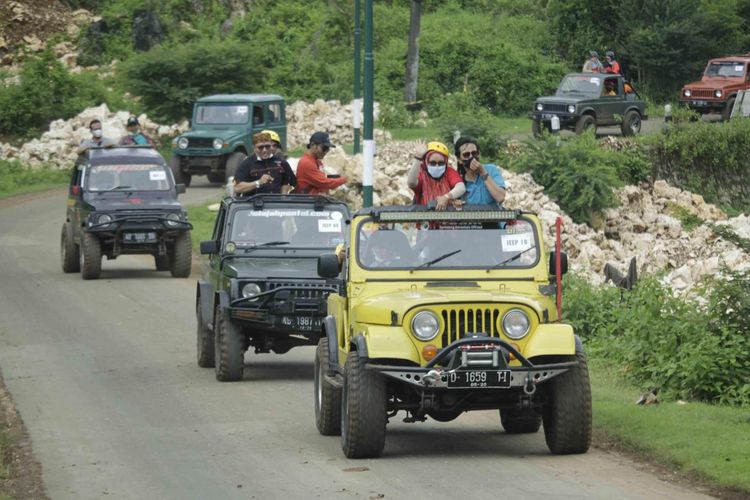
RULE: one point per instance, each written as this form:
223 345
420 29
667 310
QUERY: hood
121 201
272 266
716 82
377 309
563 100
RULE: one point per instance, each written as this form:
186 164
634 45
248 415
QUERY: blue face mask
436 171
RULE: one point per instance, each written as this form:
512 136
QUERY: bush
707 158
47 92
577 173
14 175
663 342
458 114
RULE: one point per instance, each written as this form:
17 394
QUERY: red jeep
717 89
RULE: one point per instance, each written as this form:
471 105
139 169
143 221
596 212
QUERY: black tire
726 113
363 410
585 123
631 123
567 415
69 251
181 255
179 176
517 421
216 178
91 257
206 352
327 396
162 262
536 128
229 348
233 162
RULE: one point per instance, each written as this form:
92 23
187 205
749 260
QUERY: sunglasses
436 163
468 154
261 147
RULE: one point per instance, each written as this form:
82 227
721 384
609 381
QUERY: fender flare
359 343
224 299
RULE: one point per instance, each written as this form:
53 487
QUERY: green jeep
261 288
221 134
585 101
445 312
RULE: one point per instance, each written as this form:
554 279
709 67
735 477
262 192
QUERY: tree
412 59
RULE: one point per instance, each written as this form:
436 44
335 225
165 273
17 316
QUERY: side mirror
328 265
209 247
180 188
563 263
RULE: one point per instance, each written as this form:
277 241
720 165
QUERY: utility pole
357 102
369 143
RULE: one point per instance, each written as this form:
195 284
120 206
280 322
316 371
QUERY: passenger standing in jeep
263 172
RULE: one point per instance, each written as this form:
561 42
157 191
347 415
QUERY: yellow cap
274 136
438 147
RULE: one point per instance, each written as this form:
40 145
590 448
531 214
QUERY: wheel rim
635 125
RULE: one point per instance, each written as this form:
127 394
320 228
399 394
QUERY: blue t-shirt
477 193
140 139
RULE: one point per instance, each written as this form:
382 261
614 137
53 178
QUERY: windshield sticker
157 175
329 226
516 242
595 81
739 68
305 212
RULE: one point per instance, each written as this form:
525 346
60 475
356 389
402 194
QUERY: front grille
310 290
702 93
555 108
461 320
200 142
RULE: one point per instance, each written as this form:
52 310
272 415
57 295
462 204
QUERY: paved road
103 373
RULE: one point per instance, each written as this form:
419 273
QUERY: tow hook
431 377
529 387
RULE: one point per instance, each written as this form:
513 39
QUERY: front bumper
566 119
480 354
703 105
201 161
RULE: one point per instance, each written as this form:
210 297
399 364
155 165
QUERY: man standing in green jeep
263 172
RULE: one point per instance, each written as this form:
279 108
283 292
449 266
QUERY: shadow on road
270 370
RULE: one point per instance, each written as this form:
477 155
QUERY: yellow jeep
447 312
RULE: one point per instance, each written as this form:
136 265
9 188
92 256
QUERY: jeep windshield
130 177
222 114
283 228
419 245
726 68
586 85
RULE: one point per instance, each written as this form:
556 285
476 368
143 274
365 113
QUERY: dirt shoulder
20 473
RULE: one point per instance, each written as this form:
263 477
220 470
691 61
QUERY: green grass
31 189
16 178
689 221
712 441
202 220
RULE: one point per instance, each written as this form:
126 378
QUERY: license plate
139 237
547 116
304 323
479 378
699 103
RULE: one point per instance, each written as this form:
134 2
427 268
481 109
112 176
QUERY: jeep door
610 106
214 260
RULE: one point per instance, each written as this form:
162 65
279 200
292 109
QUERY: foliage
726 232
707 158
14 176
458 115
577 173
667 343
688 219
47 91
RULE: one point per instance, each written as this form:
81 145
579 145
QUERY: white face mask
97 133
436 171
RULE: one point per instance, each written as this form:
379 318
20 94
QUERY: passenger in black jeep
262 172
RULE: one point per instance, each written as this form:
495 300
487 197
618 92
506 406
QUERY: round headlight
425 325
687 92
218 143
516 324
250 290
539 106
173 218
182 143
718 93
571 109
104 219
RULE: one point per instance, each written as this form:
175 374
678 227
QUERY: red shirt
614 67
312 179
428 189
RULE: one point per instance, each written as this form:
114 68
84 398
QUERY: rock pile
642 226
329 116
57 147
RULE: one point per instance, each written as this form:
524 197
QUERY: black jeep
123 200
261 287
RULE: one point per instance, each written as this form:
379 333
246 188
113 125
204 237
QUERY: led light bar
483 215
